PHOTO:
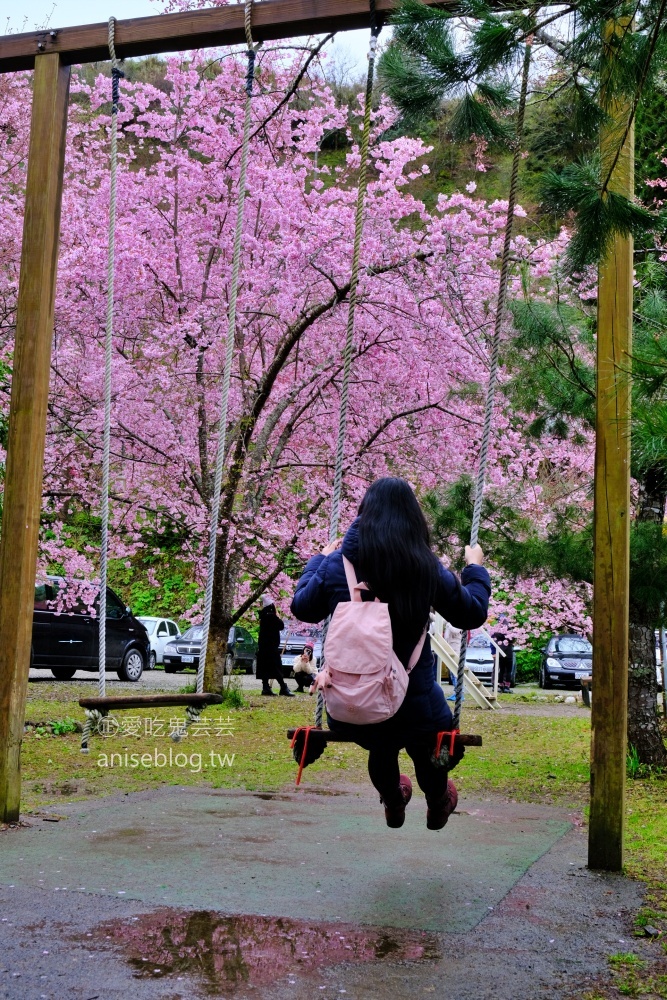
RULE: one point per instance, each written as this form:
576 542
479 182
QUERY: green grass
632 976
523 757
54 765
646 838
530 758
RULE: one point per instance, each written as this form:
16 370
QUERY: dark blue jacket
463 603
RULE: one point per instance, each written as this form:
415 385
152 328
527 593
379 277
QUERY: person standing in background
269 664
506 662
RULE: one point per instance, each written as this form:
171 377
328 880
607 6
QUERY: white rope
116 73
354 282
229 355
334 518
495 361
94 717
192 714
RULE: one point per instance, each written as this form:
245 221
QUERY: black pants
273 674
303 681
384 772
505 668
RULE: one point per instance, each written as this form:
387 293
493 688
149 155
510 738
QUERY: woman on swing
389 548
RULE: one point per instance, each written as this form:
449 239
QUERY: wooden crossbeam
143 36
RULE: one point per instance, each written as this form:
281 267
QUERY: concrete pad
88 911
299 855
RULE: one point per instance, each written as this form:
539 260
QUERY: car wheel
63 673
133 666
251 668
229 663
545 680
152 660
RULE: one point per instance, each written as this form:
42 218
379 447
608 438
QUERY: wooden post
612 514
27 415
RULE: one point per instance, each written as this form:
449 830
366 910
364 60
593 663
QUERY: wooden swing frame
50 53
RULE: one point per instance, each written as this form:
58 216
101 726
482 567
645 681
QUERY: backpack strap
354 586
417 652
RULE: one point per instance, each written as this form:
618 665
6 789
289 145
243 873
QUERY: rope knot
116 75
250 75
116 71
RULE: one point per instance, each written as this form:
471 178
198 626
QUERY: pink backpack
362 679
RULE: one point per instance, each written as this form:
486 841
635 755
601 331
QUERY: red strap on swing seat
452 736
307 731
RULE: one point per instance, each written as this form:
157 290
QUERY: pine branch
638 94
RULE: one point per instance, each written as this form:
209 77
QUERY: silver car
480 658
160 632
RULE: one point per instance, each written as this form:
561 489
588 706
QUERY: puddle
282 797
325 791
272 796
238 951
124 833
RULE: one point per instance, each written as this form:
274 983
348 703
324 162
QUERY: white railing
445 654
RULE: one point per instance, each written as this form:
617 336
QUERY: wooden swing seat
97 708
149 701
462 739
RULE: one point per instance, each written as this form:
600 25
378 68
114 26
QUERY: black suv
68 640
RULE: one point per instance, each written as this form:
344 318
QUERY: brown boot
439 812
395 815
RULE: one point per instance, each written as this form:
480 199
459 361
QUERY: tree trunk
221 621
652 495
643 725
643 719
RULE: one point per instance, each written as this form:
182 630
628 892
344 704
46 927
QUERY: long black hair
395 555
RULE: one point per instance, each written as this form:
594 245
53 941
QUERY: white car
160 632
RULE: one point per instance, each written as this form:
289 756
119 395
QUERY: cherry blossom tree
424 314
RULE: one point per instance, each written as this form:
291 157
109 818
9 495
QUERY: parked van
65 641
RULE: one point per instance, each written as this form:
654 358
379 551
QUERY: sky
348 49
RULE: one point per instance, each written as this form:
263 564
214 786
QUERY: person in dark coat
506 662
389 547
269 663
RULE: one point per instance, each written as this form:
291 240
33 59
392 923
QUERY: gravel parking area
157 680
151 680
